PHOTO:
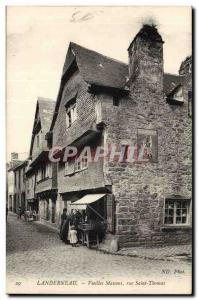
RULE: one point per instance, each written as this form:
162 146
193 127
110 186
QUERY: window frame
70 113
116 100
81 164
174 224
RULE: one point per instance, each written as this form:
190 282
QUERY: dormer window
71 113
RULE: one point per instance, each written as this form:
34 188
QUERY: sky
37 43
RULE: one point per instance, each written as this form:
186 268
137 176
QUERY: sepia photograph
99 150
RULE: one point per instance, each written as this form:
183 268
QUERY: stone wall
140 189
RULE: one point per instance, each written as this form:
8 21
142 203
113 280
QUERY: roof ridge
108 57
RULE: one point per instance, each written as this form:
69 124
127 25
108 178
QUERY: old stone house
41 173
101 102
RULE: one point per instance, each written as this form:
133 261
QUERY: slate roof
104 71
14 164
171 81
101 70
98 69
19 164
46 110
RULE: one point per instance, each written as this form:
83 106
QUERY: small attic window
71 113
116 100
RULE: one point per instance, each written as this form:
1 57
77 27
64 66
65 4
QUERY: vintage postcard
99 150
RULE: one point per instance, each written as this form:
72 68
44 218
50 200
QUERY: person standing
64 228
63 218
19 212
73 236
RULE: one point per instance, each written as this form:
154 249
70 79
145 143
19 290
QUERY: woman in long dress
64 228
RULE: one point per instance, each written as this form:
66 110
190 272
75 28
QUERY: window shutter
110 202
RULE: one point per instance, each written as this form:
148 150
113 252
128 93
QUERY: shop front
93 223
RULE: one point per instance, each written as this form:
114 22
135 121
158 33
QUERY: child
73 236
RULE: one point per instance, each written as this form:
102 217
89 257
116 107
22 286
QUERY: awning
87 199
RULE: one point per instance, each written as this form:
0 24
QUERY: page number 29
18 283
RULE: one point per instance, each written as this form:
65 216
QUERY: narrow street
35 252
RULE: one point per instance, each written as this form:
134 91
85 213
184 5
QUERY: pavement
166 253
35 250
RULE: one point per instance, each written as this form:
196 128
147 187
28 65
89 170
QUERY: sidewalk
168 253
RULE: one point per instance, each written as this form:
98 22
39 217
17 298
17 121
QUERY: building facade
103 102
19 186
41 173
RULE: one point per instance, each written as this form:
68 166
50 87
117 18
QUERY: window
47 173
43 172
77 165
81 163
176 212
190 103
116 100
84 162
71 113
69 167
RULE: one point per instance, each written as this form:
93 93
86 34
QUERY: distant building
10 181
19 186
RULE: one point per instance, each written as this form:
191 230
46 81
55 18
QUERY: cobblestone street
35 251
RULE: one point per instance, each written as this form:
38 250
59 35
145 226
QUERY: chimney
14 156
146 59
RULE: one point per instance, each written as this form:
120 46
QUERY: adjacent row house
41 173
